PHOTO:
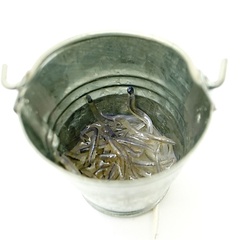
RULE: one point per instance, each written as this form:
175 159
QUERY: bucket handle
221 76
210 85
6 84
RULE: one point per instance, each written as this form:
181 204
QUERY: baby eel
141 172
106 156
99 116
94 109
66 162
145 135
94 141
112 172
125 164
133 153
136 111
143 163
134 141
119 147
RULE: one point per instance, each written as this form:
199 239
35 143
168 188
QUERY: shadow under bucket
53 108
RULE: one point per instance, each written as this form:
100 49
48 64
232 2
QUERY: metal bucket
52 106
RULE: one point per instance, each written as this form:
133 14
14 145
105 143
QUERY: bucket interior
53 102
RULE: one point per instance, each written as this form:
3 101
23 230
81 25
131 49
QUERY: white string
155 221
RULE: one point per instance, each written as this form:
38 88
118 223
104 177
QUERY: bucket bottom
128 213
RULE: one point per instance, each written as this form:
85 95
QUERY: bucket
53 109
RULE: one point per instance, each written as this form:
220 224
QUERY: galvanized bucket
52 106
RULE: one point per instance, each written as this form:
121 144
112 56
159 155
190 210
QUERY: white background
202 203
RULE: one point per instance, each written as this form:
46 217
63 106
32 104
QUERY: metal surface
52 105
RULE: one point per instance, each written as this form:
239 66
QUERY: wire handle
221 76
4 81
210 85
